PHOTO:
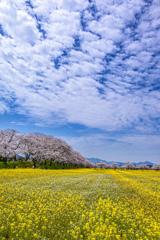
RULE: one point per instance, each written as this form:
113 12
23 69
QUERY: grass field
79 204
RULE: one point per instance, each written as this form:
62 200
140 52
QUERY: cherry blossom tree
39 148
144 166
114 166
9 144
156 166
129 165
102 165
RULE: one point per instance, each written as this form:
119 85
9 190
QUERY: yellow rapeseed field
88 204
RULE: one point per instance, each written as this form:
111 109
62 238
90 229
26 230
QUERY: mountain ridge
96 160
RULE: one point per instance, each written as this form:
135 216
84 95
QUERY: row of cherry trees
39 148
128 165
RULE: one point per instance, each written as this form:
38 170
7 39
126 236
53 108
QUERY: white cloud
19 25
104 80
3 107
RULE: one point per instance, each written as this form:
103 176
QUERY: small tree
156 167
102 165
144 166
129 165
114 166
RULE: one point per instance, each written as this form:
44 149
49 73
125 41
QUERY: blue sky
87 71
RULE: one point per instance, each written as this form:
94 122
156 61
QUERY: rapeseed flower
83 204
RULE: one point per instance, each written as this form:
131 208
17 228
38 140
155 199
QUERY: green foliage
29 164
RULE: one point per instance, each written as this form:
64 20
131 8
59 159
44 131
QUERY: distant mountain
146 162
96 160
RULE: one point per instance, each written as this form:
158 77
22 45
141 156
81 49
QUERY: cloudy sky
87 71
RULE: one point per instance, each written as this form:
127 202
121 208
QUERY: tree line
128 165
40 148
